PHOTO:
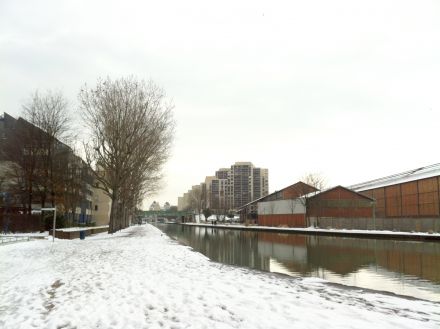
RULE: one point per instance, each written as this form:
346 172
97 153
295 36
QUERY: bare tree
196 200
131 131
318 182
49 114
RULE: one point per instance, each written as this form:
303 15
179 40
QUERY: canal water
401 267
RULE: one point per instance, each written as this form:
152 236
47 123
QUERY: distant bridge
161 213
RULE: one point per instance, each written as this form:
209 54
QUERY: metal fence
7 239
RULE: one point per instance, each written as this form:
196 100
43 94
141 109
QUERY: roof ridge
399 175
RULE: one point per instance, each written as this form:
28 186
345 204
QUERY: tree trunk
113 212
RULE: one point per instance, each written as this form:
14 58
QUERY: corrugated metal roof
270 194
407 176
311 195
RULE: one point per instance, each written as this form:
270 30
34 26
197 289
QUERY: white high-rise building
232 187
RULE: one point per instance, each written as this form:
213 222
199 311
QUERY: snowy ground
140 278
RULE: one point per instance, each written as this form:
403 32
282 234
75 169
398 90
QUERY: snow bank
320 230
140 278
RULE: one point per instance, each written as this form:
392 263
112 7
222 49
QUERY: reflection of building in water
290 250
347 255
417 259
306 255
336 255
226 246
283 252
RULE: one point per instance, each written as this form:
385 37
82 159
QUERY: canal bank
414 236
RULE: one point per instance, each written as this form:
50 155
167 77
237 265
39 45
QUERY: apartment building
31 183
230 188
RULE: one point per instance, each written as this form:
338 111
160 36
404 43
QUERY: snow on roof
407 176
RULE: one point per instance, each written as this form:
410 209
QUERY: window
96 207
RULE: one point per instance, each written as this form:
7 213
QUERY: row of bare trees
199 200
131 130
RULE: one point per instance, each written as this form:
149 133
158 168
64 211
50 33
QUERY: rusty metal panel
340 203
393 201
379 196
428 185
428 197
410 199
290 220
413 199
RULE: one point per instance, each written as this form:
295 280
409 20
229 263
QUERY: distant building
183 202
155 206
166 206
247 183
229 189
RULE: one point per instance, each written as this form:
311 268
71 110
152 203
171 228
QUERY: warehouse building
301 205
281 208
341 208
409 201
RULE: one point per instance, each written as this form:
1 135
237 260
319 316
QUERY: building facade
229 189
43 172
101 206
408 201
302 205
285 207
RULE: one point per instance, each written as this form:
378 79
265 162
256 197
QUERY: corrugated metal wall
339 203
419 198
289 220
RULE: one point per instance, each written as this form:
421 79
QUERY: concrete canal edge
388 235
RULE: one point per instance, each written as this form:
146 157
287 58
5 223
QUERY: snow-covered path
140 278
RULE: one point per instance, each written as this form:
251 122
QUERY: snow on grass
140 278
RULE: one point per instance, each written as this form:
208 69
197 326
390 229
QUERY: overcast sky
350 89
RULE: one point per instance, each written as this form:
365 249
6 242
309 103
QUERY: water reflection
402 267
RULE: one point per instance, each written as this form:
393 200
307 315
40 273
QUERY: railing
13 239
